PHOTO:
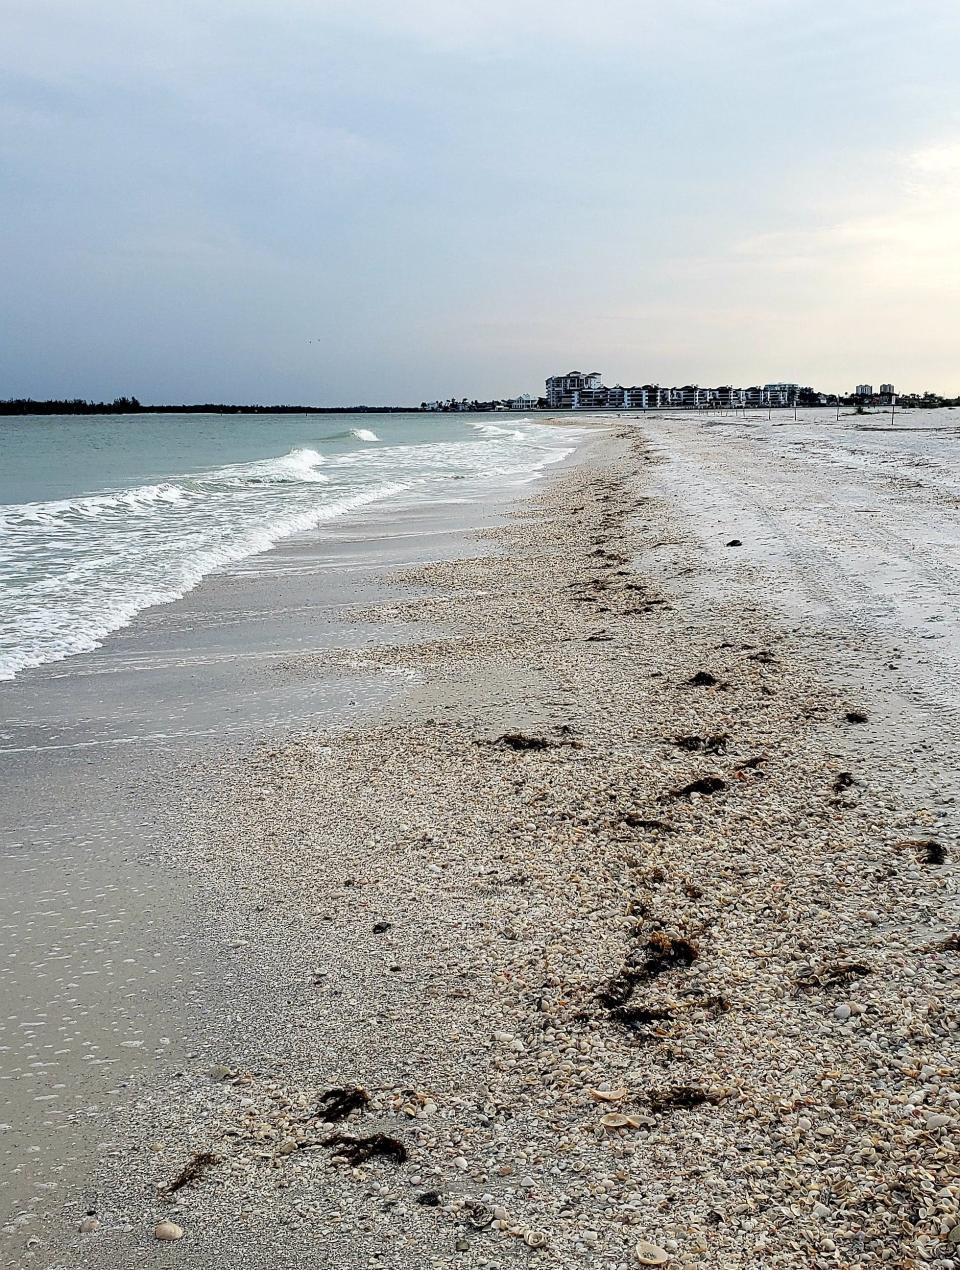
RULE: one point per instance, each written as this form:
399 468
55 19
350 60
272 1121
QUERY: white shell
614 1120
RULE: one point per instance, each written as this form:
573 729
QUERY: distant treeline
130 406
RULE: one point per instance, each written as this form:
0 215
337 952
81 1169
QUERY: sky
385 201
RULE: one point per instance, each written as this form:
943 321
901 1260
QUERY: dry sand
616 997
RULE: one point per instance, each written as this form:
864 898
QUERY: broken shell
535 1239
650 1254
607 1095
89 1224
614 1120
168 1231
480 1215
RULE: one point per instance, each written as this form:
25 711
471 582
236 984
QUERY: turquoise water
104 516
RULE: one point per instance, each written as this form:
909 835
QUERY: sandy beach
623 932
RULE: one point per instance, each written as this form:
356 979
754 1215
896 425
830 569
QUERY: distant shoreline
125 407
24 407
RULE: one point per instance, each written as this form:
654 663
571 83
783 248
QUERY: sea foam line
55 636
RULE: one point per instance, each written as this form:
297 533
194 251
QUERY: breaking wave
72 570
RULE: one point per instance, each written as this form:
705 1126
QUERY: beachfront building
864 390
576 391
647 397
526 401
781 394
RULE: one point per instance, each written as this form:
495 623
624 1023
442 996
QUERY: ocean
104 516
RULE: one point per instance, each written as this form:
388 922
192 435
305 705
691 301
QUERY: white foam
364 434
98 605
299 464
88 506
73 570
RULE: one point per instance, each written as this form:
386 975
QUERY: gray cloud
333 201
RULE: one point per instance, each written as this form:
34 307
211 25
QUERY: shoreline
98 912
747 974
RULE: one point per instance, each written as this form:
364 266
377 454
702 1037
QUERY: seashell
607 1095
614 1120
480 1215
167 1231
650 1254
536 1239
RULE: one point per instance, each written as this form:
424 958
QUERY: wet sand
104 984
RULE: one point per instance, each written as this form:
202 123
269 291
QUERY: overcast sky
334 201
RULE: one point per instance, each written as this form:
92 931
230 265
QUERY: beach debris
843 972
839 974
381 928
168 1231
751 764
927 850
681 1097
536 1238
661 952
734 542
599 637
89 1224
479 1214
192 1171
339 1102
608 1095
650 1254
521 741
614 1120
610 557
639 1018
635 821
713 744
842 781
357 1150
650 606
429 1199
764 657
950 944
703 785
856 716
712 1004
664 952
703 679
617 991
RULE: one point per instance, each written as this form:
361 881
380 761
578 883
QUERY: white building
526 401
575 391
781 394
864 390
